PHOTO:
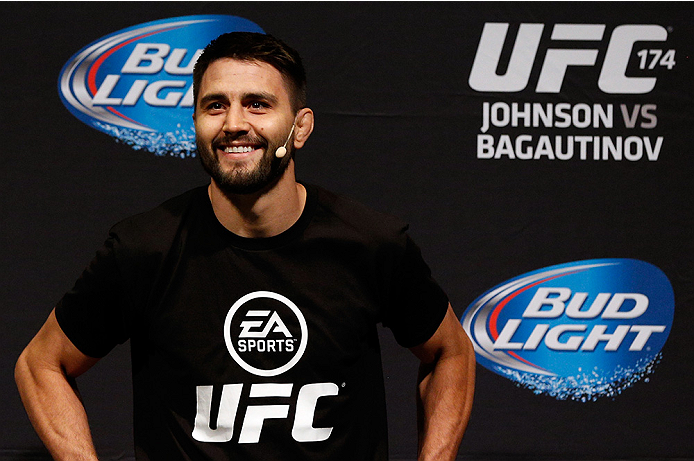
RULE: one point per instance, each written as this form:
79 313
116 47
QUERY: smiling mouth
239 149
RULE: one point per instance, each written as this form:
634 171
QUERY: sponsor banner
136 84
578 331
540 111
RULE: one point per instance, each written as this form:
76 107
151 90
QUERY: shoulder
158 226
353 217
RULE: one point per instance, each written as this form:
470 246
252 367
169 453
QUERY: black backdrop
397 126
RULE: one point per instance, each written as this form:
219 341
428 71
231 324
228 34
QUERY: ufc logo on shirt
255 415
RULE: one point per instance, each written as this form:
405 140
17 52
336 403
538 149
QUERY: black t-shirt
255 349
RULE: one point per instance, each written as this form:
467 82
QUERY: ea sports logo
265 333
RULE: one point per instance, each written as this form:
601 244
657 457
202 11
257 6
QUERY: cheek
206 128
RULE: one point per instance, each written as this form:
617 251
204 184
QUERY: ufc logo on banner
255 415
612 80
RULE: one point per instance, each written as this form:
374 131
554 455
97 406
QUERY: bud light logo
577 331
137 84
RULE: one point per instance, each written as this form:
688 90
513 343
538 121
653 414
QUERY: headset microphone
282 150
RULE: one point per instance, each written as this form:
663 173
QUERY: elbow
22 370
22 373
27 369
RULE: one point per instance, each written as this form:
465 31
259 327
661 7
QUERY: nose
235 120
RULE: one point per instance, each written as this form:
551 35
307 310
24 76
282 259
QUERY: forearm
55 410
445 394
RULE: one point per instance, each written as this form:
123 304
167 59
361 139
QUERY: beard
243 180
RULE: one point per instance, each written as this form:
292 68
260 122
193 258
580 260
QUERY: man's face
242 116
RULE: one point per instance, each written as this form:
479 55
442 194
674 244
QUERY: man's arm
45 375
445 389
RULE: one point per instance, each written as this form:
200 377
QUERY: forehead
233 77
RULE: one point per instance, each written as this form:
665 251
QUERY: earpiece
282 150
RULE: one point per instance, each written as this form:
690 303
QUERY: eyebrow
211 97
260 95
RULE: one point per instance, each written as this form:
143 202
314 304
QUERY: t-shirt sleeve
91 314
416 304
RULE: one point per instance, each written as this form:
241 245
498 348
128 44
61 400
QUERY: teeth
238 150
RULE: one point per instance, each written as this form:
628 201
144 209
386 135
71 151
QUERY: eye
258 106
215 106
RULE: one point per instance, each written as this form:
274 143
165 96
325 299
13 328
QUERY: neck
263 214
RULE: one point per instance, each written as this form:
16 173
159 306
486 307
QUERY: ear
304 127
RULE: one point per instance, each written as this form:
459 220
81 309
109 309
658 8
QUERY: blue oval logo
577 331
137 84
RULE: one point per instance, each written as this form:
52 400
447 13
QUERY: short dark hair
251 46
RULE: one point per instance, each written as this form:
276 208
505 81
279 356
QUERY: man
251 304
